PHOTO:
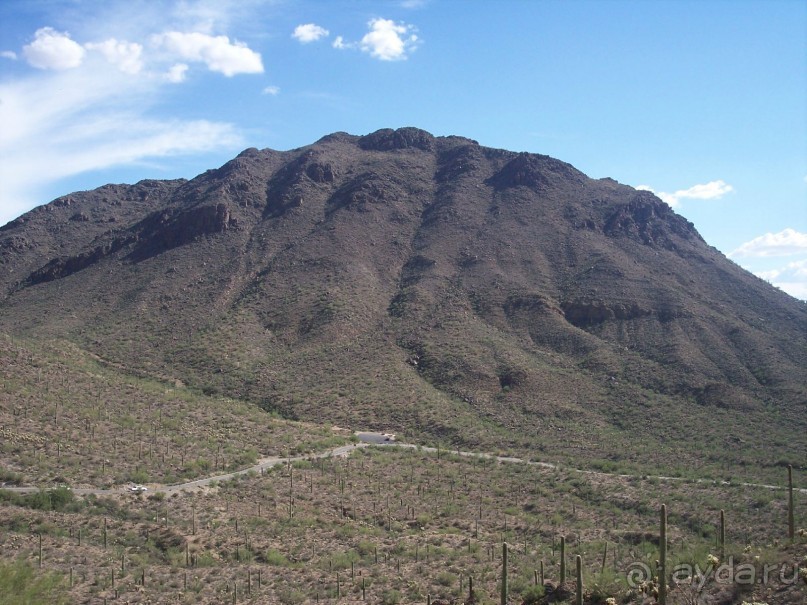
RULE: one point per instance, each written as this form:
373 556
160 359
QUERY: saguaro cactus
791 522
504 573
662 557
579 563
604 557
562 559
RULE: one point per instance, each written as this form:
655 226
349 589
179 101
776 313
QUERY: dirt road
369 439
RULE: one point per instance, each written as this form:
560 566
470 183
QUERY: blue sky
703 102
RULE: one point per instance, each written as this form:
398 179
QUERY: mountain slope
451 291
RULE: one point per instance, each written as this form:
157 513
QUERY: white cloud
177 73
792 278
271 90
795 289
388 41
769 275
666 197
53 50
126 56
712 190
785 243
309 32
93 101
217 52
797 269
339 43
58 124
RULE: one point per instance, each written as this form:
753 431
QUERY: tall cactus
504 573
579 563
791 522
662 558
562 559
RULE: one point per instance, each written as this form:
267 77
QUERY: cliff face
400 278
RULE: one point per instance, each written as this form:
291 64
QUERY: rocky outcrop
166 230
534 171
364 191
156 234
286 189
650 220
459 161
388 139
587 313
62 267
320 172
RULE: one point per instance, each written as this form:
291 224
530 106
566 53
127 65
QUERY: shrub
20 584
139 476
54 499
391 597
10 477
276 558
532 595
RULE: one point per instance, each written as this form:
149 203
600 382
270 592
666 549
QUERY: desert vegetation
397 525
68 417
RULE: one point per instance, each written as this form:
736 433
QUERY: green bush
276 558
21 585
139 476
391 597
290 596
532 595
10 477
54 499
342 560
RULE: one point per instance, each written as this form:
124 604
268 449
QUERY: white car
389 436
138 488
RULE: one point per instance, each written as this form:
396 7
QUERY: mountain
428 285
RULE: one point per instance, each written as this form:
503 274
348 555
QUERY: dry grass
66 417
404 522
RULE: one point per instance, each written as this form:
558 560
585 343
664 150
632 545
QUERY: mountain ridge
397 278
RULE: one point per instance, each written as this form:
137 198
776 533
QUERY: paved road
367 439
